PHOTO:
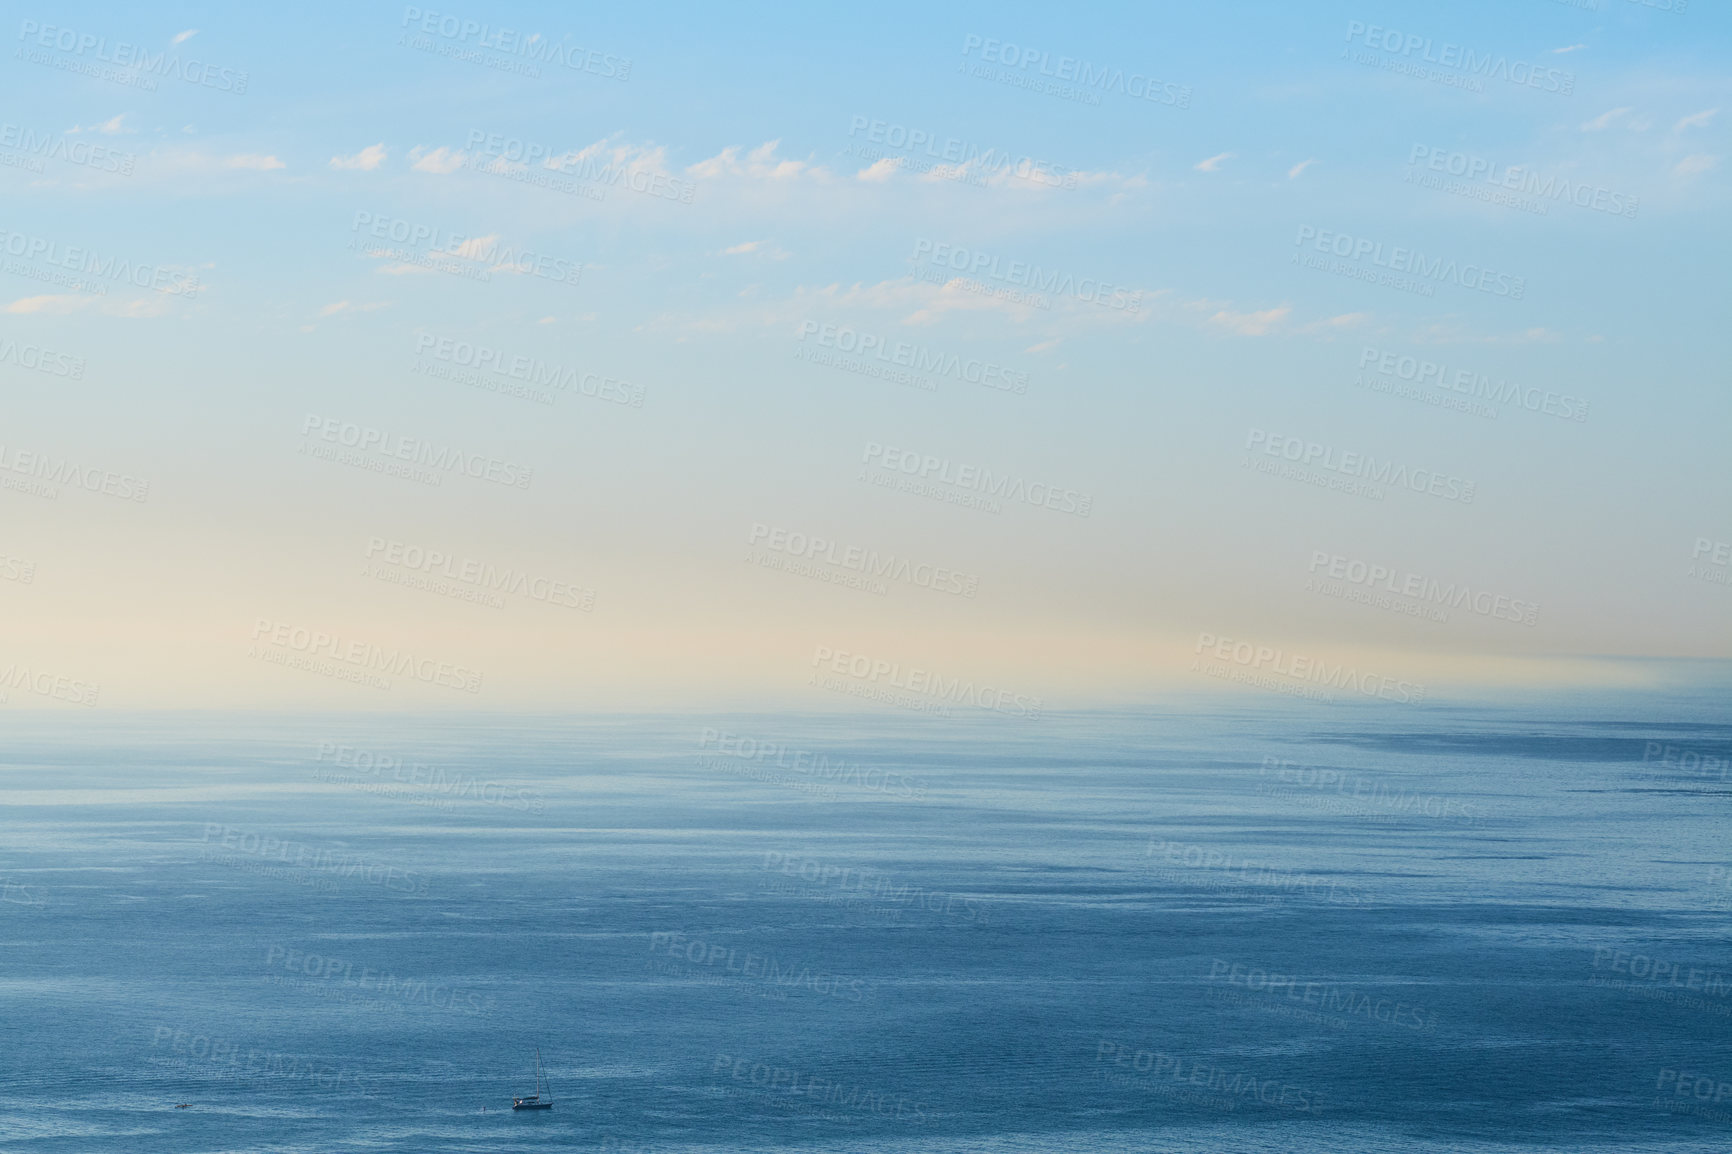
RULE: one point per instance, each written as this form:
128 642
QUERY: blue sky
1313 196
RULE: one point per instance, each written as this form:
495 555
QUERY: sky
512 357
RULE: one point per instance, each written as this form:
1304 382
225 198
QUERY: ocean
1246 928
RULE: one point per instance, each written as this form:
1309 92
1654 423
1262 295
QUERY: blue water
1263 930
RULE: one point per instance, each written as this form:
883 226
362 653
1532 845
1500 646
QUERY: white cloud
336 307
1571 48
439 160
761 163
54 306
882 170
1695 164
477 247
1213 164
366 160
111 127
1337 323
155 305
1251 324
1293 173
758 248
1043 346
254 161
1605 119
183 37
1696 120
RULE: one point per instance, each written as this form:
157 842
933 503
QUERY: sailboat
541 1099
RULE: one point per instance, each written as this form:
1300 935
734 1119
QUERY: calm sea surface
1264 930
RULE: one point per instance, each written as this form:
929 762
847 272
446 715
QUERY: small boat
541 1099
184 1106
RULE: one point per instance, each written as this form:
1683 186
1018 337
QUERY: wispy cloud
336 307
366 160
1570 48
1337 323
440 161
254 161
1293 173
110 127
1606 119
1695 164
1696 120
183 37
761 163
1251 324
1213 164
759 248
53 305
65 304
882 170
